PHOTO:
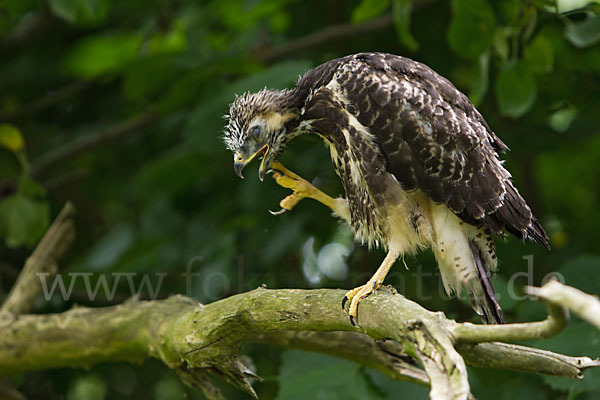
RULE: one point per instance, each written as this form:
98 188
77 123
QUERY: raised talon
275 171
290 180
344 300
303 189
283 210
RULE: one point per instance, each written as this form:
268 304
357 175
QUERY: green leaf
515 89
280 21
305 375
23 220
579 338
11 138
479 81
504 385
169 388
135 82
539 55
401 11
585 33
88 387
368 9
80 12
506 10
173 41
391 388
562 119
102 54
31 188
582 272
472 27
501 43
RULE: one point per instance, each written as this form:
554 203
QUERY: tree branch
29 30
330 34
198 340
584 305
389 358
523 358
44 258
556 321
385 356
111 133
327 35
49 100
184 334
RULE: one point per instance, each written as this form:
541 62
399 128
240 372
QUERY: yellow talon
304 189
356 295
290 180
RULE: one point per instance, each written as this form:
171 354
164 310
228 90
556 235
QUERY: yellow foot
355 296
287 179
302 188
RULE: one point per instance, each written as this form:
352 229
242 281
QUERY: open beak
239 163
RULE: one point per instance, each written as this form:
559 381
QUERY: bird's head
259 125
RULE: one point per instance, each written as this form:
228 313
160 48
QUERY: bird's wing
436 141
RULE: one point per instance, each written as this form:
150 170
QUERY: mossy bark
201 339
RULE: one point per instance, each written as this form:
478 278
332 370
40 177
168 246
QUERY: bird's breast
382 212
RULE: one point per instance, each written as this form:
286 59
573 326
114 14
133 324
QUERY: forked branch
395 336
198 340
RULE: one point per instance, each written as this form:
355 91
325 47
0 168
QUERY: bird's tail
483 296
464 255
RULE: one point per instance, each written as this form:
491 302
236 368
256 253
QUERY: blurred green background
118 106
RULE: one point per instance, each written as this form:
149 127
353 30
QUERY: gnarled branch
201 339
584 305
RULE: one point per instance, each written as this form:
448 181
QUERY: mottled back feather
431 136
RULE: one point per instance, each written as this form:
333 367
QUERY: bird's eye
256 132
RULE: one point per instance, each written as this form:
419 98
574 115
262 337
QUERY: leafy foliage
305 375
515 89
472 28
162 199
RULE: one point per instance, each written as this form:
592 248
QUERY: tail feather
491 313
465 254
536 232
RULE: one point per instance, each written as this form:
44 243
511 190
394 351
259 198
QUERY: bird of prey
420 166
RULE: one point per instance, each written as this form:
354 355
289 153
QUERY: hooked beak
239 163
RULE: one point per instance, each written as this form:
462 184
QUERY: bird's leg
302 188
355 295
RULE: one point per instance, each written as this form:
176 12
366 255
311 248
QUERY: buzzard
420 166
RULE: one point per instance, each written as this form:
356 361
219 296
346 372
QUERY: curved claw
344 300
282 211
274 171
352 321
